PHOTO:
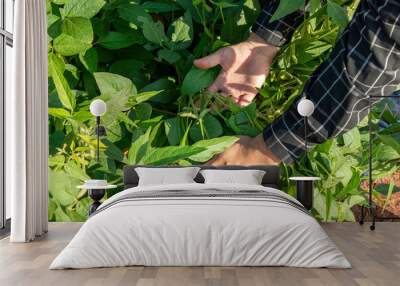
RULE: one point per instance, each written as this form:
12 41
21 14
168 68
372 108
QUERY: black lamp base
305 191
96 195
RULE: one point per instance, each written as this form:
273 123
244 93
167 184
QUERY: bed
198 224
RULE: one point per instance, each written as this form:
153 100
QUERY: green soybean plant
138 57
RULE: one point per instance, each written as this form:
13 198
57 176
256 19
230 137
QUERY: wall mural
138 57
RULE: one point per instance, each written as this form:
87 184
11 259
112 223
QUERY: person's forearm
364 63
278 32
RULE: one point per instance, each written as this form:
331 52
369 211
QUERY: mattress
201 225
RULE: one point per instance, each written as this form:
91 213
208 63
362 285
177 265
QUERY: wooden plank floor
375 257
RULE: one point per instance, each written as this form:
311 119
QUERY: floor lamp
97 188
371 205
305 108
98 108
305 185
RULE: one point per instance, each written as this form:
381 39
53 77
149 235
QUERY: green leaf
212 147
344 212
112 151
82 207
127 67
352 140
169 155
131 69
71 74
307 50
389 194
153 122
116 103
55 29
173 130
117 40
182 32
390 141
139 147
343 171
159 7
337 13
393 129
166 89
155 136
51 19
89 60
89 84
350 188
132 12
59 113
153 31
51 209
242 123
192 7
75 171
314 6
355 200
58 2
54 26
197 80
145 96
67 45
82 116
207 127
83 8
246 114
143 111
63 187
56 70
60 214
79 28
236 27
114 84
56 140
386 153
169 56
285 8
114 129
56 161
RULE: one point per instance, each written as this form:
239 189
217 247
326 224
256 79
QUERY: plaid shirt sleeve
364 63
280 31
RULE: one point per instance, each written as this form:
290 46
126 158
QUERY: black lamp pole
305 108
98 108
305 134
98 138
370 181
371 205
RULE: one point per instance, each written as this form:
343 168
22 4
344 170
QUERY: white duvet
200 231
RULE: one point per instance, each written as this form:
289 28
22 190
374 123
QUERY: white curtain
26 124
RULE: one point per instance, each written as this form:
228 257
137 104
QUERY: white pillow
166 176
247 177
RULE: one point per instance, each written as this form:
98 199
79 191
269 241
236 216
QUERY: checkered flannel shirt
365 62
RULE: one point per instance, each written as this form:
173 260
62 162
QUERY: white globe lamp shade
305 107
98 107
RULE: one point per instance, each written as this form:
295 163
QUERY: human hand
245 67
246 151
